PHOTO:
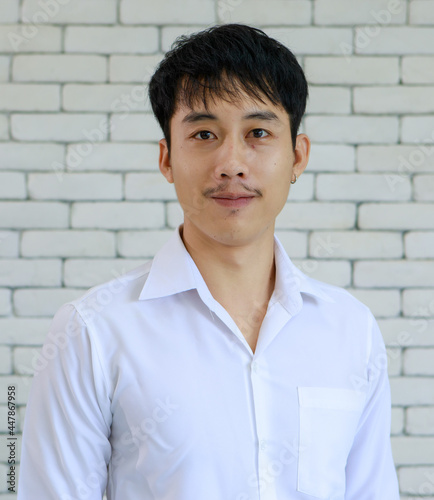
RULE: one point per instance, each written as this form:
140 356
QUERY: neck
234 274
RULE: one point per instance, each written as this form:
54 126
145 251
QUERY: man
218 371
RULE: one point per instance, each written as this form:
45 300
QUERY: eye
204 135
258 133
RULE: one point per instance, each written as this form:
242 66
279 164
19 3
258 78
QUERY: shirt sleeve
370 471
66 448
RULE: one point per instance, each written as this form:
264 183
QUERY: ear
301 152
164 161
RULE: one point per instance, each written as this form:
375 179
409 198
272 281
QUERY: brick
382 303
12 185
9 243
9 11
304 190
423 187
30 272
135 127
420 420
419 129
404 332
336 100
397 159
419 245
29 38
32 156
294 242
23 331
396 99
130 69
42 302
59 68
189 11
368 12
412 391
78 97
4 128
68 244
141 243
77 12
360 187
390 216
416 481
331 158
112 156
122 215
75 186
418 303
335 272
5 303
394 362
4 68
397 424
148 186
398 273
59 127
422 12
419 361
109 40
417 69
413 450
316 216
393 40
352 70
278 12
5 360
28 97
313 40
355 245
88 273
21 215
352 129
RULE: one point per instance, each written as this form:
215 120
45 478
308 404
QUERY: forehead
221 106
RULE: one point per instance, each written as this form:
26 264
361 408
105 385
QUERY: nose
232 159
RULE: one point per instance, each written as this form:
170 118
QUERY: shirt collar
174 271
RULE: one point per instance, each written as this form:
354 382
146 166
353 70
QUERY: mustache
224 187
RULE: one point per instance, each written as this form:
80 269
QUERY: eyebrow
195 116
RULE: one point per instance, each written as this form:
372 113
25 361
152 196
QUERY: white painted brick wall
82 200
29 97
59 68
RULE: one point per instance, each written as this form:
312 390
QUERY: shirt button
255 366
263 445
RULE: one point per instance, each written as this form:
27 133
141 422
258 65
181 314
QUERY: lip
233 200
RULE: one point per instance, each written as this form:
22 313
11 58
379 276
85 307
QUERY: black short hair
223 61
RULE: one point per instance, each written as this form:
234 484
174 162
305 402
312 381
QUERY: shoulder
119 291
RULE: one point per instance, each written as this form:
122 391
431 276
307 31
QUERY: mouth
233 200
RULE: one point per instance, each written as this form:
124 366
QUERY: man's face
232 165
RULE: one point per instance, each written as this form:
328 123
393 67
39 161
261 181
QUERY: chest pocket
328 421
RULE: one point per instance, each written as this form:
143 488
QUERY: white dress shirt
148 388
